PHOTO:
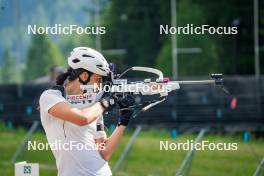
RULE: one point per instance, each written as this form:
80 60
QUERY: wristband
119 124
123 122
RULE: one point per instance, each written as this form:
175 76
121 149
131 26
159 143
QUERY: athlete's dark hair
71 74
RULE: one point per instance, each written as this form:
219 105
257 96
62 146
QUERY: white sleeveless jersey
86 100
82 157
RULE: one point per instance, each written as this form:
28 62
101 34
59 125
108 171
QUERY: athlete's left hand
125 111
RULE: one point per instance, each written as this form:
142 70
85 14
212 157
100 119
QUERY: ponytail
62 77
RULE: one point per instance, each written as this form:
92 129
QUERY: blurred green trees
8 70
262 35
190 64
42 55
68 42
134 26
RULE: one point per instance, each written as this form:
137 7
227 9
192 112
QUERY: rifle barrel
197 82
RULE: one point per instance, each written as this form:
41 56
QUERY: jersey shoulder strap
60 88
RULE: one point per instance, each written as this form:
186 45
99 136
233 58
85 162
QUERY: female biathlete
73 121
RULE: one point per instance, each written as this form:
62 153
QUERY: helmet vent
75 60
86 55
100 67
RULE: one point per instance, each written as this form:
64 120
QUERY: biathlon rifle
162 86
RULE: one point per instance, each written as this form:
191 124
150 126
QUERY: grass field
146 159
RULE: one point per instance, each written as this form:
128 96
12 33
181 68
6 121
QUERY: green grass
145 157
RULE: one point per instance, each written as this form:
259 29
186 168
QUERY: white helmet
88 59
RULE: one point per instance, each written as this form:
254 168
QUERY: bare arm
111 143
77 116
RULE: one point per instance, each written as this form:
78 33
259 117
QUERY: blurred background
29 64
